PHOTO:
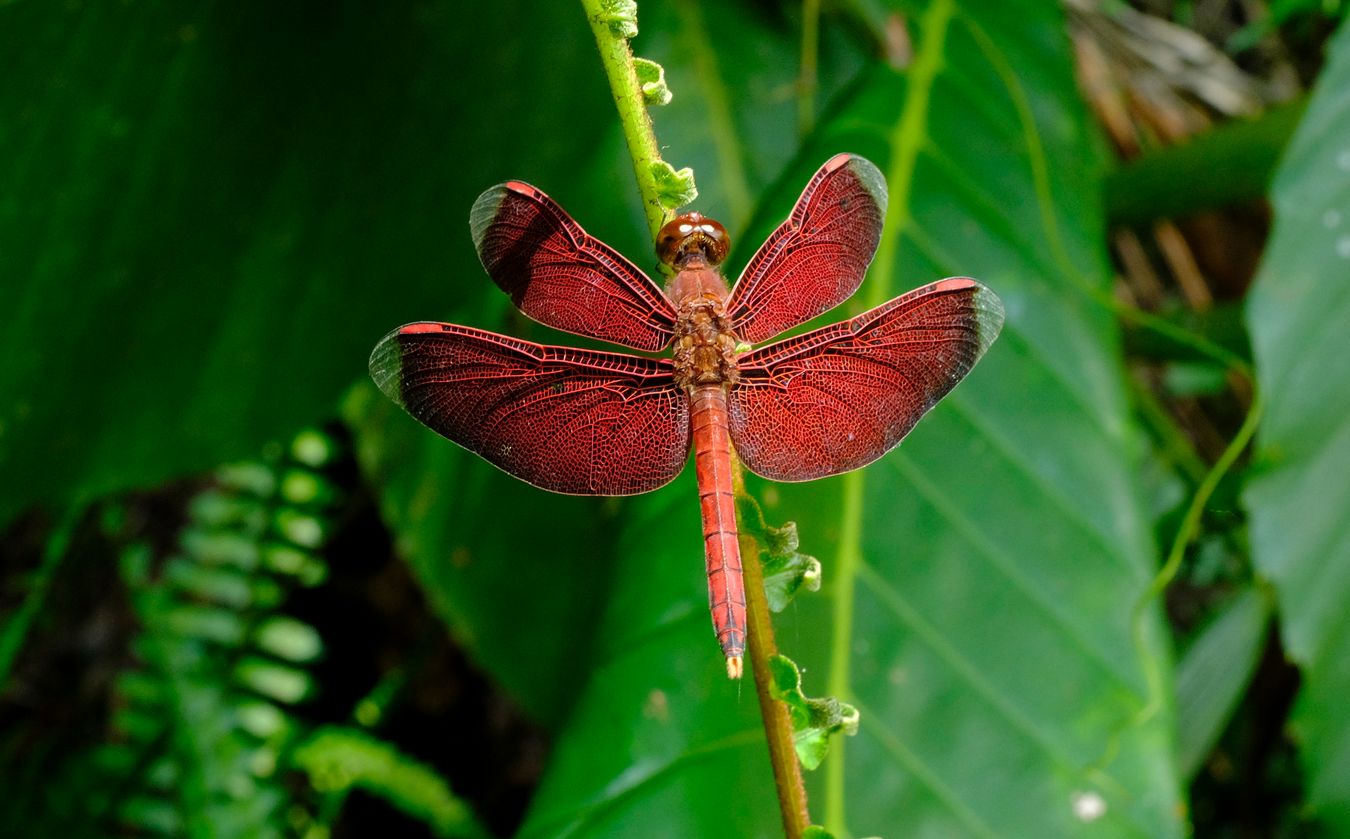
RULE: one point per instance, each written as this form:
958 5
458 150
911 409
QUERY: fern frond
339 759
209 715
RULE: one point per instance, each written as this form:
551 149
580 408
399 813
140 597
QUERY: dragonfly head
692 235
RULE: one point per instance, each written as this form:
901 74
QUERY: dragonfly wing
817 258
566 420
838 398
561 276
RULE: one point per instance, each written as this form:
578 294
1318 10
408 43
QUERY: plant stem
1190 526
787 770
1173 443
617 59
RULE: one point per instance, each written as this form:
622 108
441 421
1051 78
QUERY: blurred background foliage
212 211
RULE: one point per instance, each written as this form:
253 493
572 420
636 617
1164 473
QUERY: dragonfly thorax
705 346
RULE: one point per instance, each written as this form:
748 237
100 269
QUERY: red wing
566 420
562 277
817 258
840 397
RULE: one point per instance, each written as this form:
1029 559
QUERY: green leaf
278 682
786 569
288 639
1297 492
213 210
674 188
1237 158
814 721
980 580
1213 673
790 572
620 16
652 77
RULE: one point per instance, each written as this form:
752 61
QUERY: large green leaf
1298 494
211 211
985 613
981 579
661 743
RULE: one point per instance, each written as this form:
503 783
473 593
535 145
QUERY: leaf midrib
906 141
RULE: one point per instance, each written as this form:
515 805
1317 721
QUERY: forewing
840 397
817 258
561 276
567 420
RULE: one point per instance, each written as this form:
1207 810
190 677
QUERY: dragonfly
589 422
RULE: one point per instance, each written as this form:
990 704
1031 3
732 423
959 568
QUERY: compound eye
719 243
668 242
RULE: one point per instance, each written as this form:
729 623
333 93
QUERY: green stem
844 577
637 128
787 770
1175 446
1190 526
617 59
906 140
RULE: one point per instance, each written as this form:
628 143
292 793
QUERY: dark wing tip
991 314
488 205
864 170
988 307
386 360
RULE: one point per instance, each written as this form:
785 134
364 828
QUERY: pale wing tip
872 180
839 161
485 210
386 363
990 316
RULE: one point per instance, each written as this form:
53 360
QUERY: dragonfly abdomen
712 465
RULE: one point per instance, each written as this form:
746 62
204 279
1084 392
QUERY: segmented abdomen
712 464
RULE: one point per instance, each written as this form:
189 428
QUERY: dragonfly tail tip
734 667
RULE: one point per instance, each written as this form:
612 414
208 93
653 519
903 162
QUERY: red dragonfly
585 422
